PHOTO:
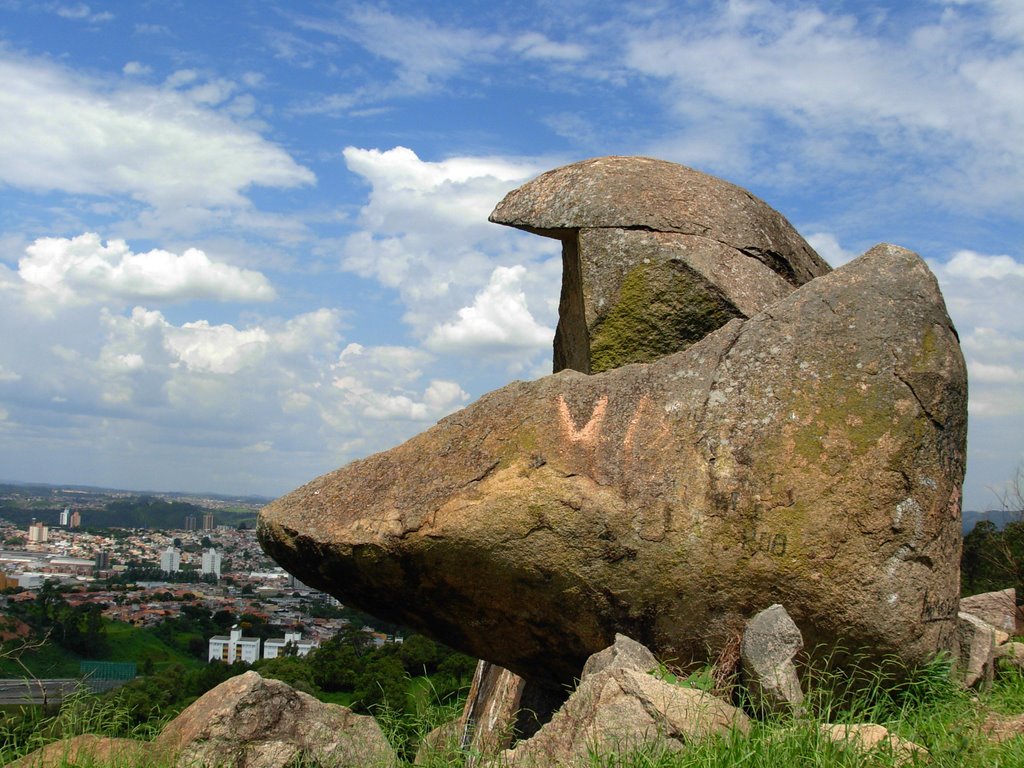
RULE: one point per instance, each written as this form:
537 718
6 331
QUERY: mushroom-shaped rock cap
645 193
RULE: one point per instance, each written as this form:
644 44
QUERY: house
230 649
274 647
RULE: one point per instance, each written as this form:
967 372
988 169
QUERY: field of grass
124 643
927 708
47 661
128 643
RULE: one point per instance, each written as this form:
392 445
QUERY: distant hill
129 512
998 516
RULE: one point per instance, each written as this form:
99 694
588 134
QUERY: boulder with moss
811 456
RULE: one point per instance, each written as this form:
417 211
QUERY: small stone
770 643
867 738
624 653
976 640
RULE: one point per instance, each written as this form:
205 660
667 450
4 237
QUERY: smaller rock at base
624 653
867 738
441 745
770 642
1012 653
262 723
999 728
976 639
620 708
87 749
997 608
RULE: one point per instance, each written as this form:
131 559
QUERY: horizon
244 245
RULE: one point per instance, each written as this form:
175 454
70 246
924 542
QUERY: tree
382 682
994 559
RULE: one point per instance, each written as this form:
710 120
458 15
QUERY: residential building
65 517
76 519
38 533
208 521
230 649
274 647
211 562
102 560
170 560
190 522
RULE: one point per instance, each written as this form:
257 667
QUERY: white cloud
136 68
217 348
83 269
376 383
424 52
849 92
498 322
827 246
161 146
534 45
977 268
425 233
80 12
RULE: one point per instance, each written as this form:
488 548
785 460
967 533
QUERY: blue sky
243 243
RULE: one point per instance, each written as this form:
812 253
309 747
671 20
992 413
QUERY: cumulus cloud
162 146
424 232
828 247
376 382
84 269
498 322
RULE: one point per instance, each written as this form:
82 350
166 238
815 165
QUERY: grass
128 643
124 643
48 660
925 707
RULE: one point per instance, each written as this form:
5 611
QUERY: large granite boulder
811 456
655 256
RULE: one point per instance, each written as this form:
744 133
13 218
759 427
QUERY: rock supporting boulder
770 643
655 256
618 706
812 456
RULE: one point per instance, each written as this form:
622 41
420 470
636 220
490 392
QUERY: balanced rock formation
655 256
811 456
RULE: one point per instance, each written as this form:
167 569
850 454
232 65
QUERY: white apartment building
272 648
234 648
170 560
211 562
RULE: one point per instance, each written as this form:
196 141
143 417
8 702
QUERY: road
18 691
